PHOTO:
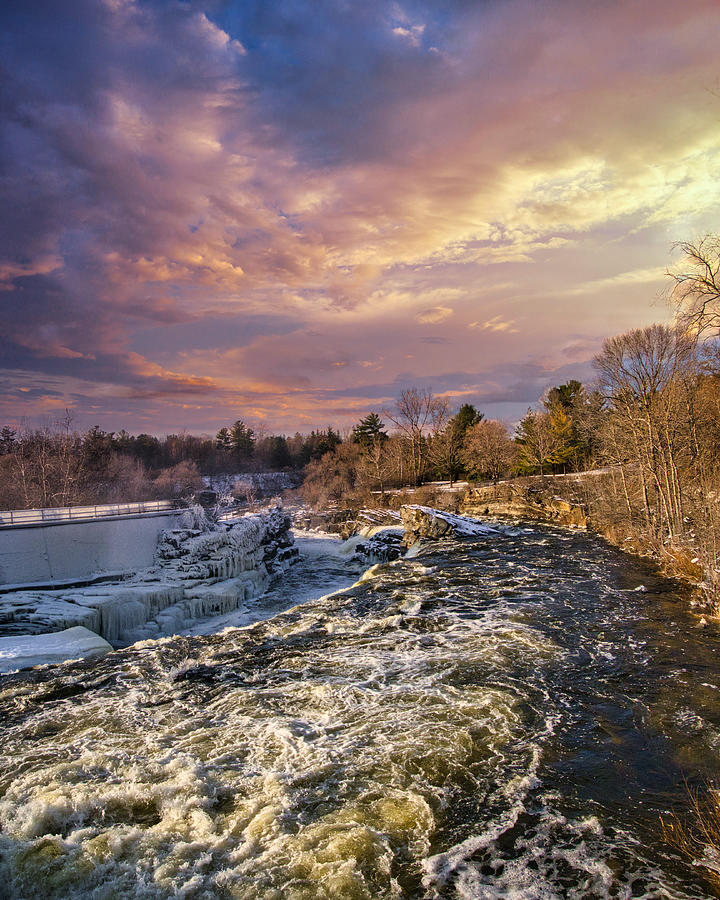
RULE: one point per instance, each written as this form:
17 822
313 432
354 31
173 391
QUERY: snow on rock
23 651
425 522
378 517
198 572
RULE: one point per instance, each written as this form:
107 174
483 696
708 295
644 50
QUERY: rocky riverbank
539 500
584 501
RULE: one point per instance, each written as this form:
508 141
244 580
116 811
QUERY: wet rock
381 545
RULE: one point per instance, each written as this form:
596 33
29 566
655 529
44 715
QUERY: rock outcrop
379 544
425 523
199 571
535 500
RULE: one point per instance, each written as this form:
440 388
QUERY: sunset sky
288 210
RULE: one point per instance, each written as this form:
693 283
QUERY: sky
289 211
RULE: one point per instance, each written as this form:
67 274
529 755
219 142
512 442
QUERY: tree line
650 421
649 427
56 465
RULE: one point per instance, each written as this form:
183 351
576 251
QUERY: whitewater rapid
499 716
325 564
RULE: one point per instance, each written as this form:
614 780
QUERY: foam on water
325 564
433 731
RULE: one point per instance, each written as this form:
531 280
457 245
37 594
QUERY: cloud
497 323
434 314
413 33
652 275
188 180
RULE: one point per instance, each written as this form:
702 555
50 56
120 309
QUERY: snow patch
462 525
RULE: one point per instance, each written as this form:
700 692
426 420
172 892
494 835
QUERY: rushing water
325 564
496 717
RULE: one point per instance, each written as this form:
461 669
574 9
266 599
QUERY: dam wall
66 550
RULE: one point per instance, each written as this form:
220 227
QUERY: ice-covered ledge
24 651
202 569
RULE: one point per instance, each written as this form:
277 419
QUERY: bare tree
374 465
696 289
418 414
645 376
333 477
488 451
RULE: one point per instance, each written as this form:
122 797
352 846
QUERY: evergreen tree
369 431
564 443
318 443
148 450
97 448
466 417
8 439
242 440
566 405
123 442
447 445
223 441
277 452
565 395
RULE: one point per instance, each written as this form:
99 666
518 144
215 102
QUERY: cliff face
534 500
198 572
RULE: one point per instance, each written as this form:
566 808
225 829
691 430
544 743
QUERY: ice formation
37 649
199 571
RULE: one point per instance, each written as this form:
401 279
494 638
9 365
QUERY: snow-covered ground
462 525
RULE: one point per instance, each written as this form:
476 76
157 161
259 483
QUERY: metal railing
10 517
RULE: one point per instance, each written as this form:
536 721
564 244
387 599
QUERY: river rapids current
497 716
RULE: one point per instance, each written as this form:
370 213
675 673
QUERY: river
500 716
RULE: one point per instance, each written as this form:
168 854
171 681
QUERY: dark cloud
211 332
334 77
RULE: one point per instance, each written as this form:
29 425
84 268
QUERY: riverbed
506 715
